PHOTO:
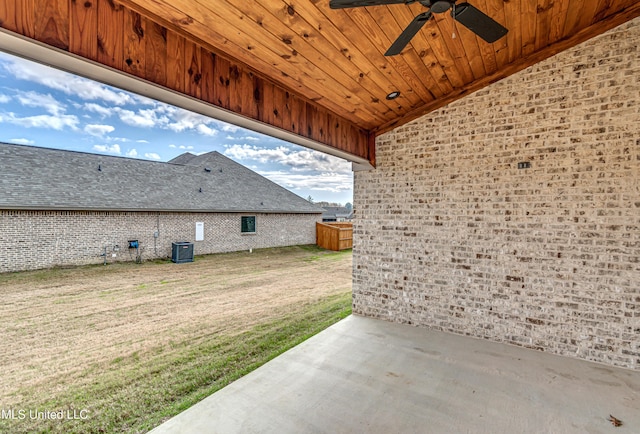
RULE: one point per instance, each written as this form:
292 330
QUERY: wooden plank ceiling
305 68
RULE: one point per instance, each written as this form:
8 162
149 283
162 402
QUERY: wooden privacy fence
334 236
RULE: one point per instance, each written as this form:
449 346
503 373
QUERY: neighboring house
62 207
337 214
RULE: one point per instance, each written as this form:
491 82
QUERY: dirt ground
59 324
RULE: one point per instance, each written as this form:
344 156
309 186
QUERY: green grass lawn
139 395
135 392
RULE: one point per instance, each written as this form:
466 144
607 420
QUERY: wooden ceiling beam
120 38
579 37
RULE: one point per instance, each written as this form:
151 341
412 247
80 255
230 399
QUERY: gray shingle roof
334 212
43 179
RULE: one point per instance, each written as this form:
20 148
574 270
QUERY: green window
248 225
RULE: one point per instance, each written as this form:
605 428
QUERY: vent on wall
181 252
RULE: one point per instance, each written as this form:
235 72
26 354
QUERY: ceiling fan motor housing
440 6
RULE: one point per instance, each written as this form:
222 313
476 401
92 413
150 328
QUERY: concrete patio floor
368 376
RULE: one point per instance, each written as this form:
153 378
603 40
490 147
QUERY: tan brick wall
41 239
450 234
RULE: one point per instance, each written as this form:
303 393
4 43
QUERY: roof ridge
73 151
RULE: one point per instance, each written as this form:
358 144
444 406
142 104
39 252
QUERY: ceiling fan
467 15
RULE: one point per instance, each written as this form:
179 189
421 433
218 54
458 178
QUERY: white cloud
228 128
205 130
183 120
152 156
132 153
146 101
159 115
302 160
181 125
108 149
41 121
330 181
305 169
142 141
252 139
246 152
39 100
147 118
98 130
96 108
172 146
4 98
21 141
71 85
57 118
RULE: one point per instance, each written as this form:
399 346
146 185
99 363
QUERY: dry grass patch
133 344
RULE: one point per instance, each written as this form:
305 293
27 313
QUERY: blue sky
41 106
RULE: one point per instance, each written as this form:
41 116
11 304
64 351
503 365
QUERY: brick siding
41 239
450 234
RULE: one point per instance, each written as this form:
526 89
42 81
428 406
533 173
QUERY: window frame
242 225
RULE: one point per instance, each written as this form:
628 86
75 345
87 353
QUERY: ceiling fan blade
408 34
342 4
478 22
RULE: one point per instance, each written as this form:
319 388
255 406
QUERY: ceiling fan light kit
466 14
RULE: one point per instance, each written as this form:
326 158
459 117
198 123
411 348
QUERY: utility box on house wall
181 252
199 231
